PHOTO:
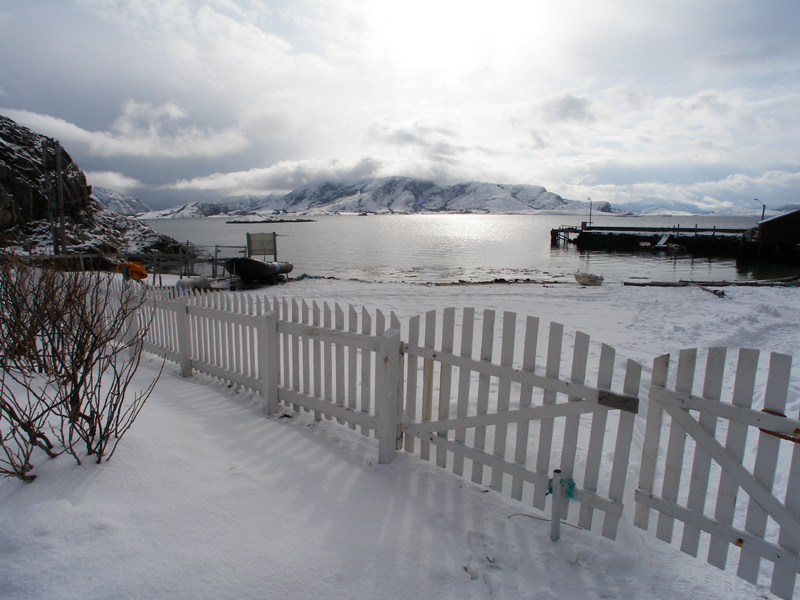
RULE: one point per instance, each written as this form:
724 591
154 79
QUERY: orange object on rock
132 270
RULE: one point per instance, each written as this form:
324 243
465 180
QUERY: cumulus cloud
567 107
281 177
431 138
710 195
113 181
142 129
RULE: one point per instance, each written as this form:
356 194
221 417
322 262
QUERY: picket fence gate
692 506
417 395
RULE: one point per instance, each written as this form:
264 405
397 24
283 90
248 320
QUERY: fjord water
441 248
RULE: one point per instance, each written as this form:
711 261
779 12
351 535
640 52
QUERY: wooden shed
783 229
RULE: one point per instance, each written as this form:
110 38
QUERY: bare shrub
71 345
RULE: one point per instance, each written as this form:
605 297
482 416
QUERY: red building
783 229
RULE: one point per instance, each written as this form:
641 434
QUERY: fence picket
676 446
328 352
504 394
487 345
412 364
652 439
427 379
783 579
317 353
352 363
339 368
306 351
525 400
552 370
766 460
464 380
366 368
622 449
701 466
445 379
569 447
594 453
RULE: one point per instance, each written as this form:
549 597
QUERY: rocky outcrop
23 185
24 200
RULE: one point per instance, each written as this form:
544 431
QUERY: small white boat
588 278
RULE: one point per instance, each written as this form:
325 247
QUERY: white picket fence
729 519
509 424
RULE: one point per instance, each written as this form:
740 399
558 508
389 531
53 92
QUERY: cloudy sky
625 101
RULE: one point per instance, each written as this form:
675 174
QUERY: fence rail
507 423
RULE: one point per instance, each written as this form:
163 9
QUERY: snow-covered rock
405 195
197 209
25 193
119 203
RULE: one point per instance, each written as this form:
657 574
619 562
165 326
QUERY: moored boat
251 270
588 278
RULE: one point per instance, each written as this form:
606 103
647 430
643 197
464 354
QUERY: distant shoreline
273 221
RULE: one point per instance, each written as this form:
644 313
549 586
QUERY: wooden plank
622 449
339 367
238 344
401 382
569 447
555 385
552 370
594 453
295 342
445 378
701 465
328 357
286 356
352 364
306 350
411 376
721 531
325 334
525 399
464 380
780 366
317 353
652 438
530 413
504 394
783 579
366 368
775 424
341 413
673 466
427 379
487 342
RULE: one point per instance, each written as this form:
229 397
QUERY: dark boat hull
252 270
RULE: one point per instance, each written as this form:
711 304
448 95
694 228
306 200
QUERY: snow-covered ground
207 498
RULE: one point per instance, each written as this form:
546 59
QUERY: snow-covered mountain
405 195
199 209
119 203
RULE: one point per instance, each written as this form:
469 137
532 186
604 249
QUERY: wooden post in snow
184 335
555 520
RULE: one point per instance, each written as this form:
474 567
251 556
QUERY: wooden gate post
270 361
389 367
184 335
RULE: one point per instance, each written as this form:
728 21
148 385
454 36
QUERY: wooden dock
695 241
